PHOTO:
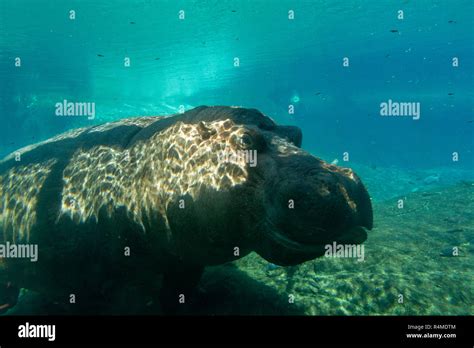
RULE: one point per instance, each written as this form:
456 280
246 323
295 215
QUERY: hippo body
125 202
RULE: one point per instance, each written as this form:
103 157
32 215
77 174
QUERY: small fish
450 93
455 230
158 58
451 21
233 11
99 55
318 93
132 22
394 31
387 55
431 179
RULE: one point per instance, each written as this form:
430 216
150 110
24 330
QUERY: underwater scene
237 157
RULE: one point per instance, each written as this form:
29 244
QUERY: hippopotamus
128 201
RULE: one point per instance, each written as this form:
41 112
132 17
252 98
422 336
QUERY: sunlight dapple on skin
158 189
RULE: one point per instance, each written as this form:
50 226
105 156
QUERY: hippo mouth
353 235
287 245
291 245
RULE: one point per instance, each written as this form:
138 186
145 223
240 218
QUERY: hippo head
283 202
301 203
308 203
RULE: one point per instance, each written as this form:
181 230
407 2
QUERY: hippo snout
314 204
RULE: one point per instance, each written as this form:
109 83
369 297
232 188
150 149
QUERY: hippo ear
292 133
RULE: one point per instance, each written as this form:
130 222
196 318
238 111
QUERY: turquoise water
298 63
190 62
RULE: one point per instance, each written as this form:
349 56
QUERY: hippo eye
246 140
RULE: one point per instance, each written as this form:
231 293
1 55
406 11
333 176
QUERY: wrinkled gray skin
255 216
